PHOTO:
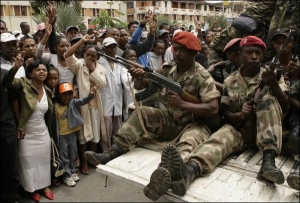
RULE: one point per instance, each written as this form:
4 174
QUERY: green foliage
222 22
38 4
104 20
67 15
163 18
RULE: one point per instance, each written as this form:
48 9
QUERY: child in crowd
68 121
52 81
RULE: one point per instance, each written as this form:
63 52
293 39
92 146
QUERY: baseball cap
72 27
40 26
282 31
65 87
108 41
75 39
6 37
162 31
16 32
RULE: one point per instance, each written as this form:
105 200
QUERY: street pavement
91 188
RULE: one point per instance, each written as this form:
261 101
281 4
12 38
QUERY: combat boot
290 143
103 158
268 168
293 177
182 174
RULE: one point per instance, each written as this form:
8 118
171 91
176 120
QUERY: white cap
6 37
72 27
108 41
176 31
17 32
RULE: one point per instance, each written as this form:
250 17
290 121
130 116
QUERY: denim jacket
73 115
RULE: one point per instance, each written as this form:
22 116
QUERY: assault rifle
159 81
275 64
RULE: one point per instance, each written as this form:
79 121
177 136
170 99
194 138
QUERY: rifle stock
158 79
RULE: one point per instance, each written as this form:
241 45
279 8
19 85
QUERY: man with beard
247 125
175 121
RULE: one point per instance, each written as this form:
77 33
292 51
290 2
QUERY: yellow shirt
61 115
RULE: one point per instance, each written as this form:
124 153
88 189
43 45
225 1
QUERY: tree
37 5
104 20
67 15
222 21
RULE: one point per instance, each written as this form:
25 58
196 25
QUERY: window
20 10
174 5
191 6
183 5
198 6
198 18
183 17
1 10
211 8
166 4
142 4
153 3
95 11
217 9
82 12
130 4
191 18
174 17
205 7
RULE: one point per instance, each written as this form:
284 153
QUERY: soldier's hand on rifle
174 99
136 73
293 67
269 76
247 109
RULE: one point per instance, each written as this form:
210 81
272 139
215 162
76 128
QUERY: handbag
57 168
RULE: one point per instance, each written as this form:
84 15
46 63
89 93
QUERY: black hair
95 47
126 52
133 22
24 38
22 24
121 28
52 67
161 26
205 34
159 41
35 64
1 21
56 41
90 31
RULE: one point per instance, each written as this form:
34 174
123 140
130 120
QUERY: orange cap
64 87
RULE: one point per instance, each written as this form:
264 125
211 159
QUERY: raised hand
48 27
28 61
87 38
19 60
51 12
94 89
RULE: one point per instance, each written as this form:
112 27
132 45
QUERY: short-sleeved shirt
196 81
294 91
237 89
62 118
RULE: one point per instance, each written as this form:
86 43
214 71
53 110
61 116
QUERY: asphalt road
91 188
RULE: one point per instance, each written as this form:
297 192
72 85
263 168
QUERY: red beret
252 40
187 39
231 43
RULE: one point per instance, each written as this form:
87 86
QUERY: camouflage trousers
228 139
160 124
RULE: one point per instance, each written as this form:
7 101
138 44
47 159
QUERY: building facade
15 12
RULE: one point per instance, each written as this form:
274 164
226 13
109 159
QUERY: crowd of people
73 89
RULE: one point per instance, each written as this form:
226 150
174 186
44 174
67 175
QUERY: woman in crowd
88 74
34 126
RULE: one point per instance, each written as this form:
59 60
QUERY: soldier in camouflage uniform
178 116
267 14
246 126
